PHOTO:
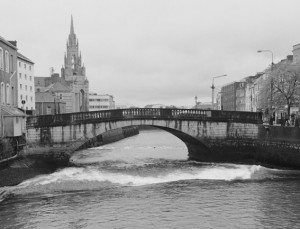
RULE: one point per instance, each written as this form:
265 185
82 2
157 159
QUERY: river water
145 181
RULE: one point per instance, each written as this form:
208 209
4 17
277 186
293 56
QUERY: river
145 181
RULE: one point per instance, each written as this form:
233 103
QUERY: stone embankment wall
59 152
6 149
272 146
9 148
43 159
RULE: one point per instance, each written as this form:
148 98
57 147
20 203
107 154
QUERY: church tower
73 73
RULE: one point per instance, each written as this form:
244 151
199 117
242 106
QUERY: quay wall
40 158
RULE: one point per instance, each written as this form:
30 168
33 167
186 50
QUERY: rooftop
24 58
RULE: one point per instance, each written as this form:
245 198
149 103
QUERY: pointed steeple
72 26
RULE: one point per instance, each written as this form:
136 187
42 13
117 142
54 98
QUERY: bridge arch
194 145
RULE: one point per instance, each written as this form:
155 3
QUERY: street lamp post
213 88
271 93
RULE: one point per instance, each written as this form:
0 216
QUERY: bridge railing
142 113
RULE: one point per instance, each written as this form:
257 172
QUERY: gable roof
11 111
8 43
24 58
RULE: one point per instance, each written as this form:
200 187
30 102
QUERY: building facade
241 96
101 102
48 103
25 79
296 54
228 93
11 119
73 73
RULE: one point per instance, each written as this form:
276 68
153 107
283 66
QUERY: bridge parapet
143 113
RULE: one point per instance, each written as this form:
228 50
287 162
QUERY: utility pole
213 89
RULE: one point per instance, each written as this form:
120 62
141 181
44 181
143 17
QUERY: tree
285 80
279 87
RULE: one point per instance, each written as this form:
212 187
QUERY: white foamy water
242 172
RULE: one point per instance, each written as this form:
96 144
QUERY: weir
210 135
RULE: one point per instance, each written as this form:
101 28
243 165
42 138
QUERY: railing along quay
143 113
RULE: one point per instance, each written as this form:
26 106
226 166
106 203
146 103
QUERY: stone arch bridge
210 135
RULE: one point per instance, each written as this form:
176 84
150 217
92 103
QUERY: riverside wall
42 158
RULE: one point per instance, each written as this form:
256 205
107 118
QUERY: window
6 61
7 94
48 110
11 66
17 120
2 93
31 99
21 97
26 97
24 65
19 63
30 78
12 96
20 75
1 59
25 77
30 69
25 87
20 86
30 88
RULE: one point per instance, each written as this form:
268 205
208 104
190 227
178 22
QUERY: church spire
72 26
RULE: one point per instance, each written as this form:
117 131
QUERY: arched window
2 93
1 59
6 61
7 94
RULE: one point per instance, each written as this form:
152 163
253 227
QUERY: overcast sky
155 51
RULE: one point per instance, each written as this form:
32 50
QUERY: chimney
14 43
289 57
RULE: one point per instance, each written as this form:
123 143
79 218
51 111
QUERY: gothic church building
70 92
73 74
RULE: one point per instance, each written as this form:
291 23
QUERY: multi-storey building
101 102
11 119
296 54
25 79
228 93
241 96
